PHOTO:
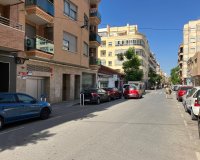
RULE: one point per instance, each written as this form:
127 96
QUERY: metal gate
35 86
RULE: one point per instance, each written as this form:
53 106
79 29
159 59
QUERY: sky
161 21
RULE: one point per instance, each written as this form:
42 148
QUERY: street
151 128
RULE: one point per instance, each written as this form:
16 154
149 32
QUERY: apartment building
60 40
191 45
180 62
194 69
11 42
115 40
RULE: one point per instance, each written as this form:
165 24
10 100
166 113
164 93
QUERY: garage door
35 87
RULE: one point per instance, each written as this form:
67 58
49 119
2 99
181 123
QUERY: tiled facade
57 48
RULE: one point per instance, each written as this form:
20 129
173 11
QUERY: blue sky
151 16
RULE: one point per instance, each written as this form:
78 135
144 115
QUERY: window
110 54
25 99
70 9
109 43
103 62
7 98
86 21
85 49
103 43
69 42
103 53
110 63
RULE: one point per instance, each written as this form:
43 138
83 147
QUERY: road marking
198 155
182 115
5 132
185 123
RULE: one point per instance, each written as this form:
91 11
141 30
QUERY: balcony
95 16
94 1
95 39
39 47
94 63
10 2
12 35
40 11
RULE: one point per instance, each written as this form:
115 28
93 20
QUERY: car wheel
1 123
44 114
193 116
98 101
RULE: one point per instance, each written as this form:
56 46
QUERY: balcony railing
95 13
10 23
95 61
95 37
45 5
39 43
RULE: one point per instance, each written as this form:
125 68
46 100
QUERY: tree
154 79
175 78
131 66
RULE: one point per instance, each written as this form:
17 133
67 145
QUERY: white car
191 104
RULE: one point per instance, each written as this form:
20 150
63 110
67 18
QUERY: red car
113 92
182 90
132 91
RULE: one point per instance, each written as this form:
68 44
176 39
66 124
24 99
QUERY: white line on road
198 155
5 132
185 123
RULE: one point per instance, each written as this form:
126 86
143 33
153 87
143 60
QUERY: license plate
87 100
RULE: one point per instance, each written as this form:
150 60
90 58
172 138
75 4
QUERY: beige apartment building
191 45
59 56
115 40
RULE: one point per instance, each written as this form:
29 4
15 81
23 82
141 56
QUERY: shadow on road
32 131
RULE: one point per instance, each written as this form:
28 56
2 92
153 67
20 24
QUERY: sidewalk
69 103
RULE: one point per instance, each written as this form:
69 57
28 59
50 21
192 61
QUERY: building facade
180 62
60 40
117 40
194 69
191 45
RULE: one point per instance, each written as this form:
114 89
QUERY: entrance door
66 87
5 78
77 87
35 87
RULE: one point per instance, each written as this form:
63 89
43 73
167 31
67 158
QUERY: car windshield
90 91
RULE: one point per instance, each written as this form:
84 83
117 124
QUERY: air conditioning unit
30 43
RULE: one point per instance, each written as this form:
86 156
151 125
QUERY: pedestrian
167 91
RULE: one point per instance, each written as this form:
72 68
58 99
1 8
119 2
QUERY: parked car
95 95
182 91
140 85
114 92
176 87
132 91
185 96
19 106
191 103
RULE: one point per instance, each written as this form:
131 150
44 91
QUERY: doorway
5 77
66 87
77 87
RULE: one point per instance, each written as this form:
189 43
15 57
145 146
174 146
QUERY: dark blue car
18 106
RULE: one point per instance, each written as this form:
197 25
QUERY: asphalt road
151 128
